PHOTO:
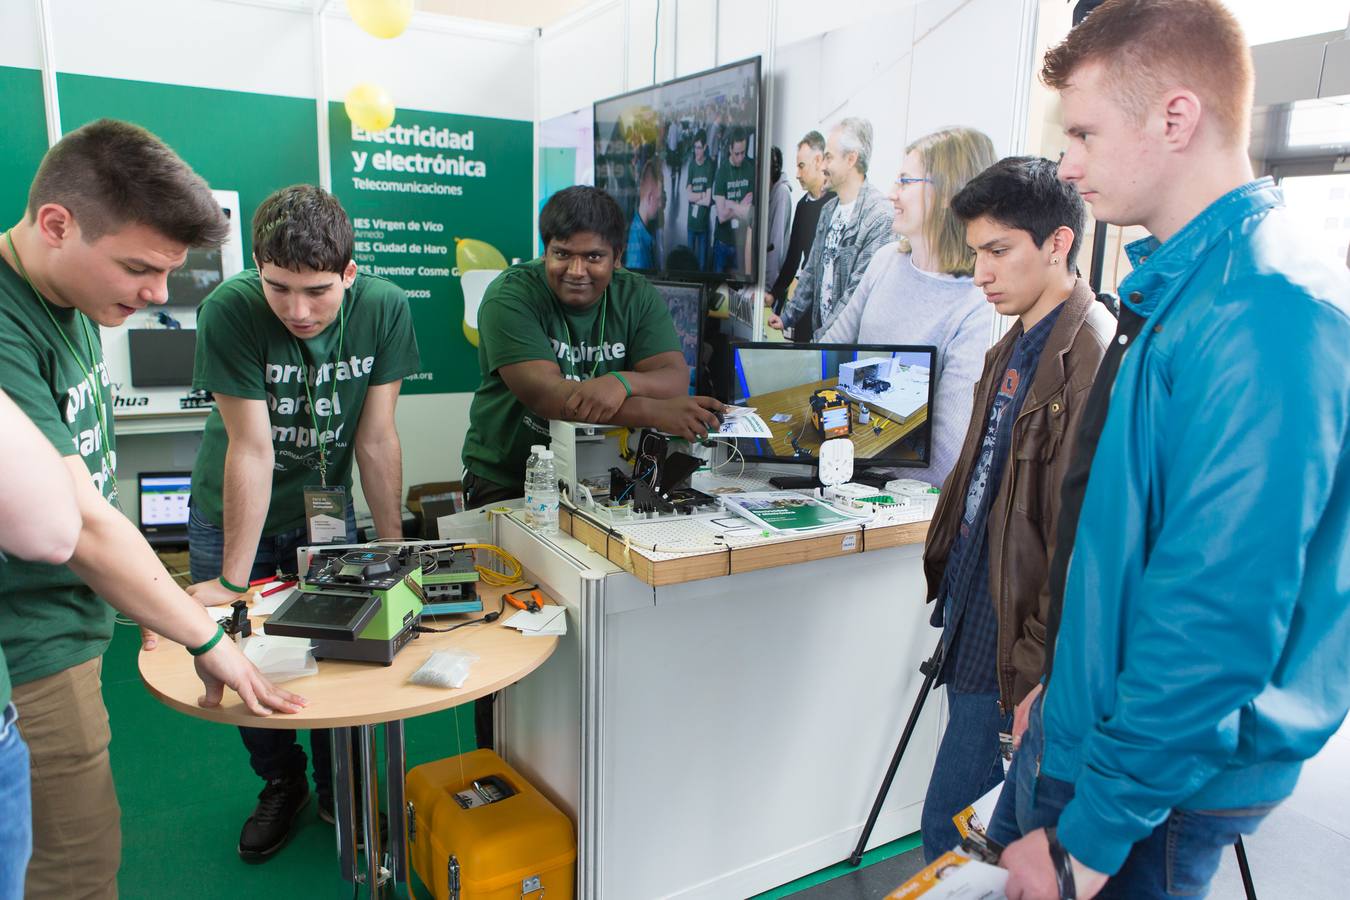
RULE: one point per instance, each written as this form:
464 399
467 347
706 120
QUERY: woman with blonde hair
919 290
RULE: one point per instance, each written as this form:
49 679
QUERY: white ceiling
528 13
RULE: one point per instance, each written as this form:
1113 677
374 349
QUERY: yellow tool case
479 831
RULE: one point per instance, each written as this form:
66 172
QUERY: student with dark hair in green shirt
111 212
305 357
570 336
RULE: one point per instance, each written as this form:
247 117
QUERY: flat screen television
688 309
682 159
880 396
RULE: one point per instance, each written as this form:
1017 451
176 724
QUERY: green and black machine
363 603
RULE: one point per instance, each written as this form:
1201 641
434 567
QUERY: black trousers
479 492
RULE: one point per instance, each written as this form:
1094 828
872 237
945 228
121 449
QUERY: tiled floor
1302 850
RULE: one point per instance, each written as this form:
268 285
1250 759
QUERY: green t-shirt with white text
244 351
521 320
700 180
733 183
49 619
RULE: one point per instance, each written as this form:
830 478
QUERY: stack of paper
550 620
742 421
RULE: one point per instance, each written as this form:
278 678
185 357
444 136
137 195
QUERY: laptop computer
164 507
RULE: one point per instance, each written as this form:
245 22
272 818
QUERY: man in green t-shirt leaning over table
110 213
571 337
305 357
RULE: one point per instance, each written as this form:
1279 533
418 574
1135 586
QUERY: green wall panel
250 143
23 139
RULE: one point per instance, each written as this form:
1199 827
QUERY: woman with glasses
919 290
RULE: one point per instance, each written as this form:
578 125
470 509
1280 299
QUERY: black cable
481 620
656 39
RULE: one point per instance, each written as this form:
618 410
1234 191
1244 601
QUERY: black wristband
1063 864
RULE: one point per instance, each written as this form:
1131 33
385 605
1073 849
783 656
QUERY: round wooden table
352 698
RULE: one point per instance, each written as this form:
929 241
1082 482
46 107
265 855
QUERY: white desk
721 737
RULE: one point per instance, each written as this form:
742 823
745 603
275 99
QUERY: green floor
186 788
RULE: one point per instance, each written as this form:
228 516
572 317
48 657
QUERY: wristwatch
1063 864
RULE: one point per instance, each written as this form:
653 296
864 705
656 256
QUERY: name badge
326 515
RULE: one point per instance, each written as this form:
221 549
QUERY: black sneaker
326 814
270 826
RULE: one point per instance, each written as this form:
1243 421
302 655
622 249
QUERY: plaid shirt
970 634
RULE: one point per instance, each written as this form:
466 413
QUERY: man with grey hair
852 226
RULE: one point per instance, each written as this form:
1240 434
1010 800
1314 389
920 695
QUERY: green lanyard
90 375
313 417
604 308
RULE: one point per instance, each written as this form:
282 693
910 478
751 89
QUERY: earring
1054 260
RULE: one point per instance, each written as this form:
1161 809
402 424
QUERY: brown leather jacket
1023 516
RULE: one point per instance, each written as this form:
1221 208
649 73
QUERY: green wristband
231 587
623 381
205 648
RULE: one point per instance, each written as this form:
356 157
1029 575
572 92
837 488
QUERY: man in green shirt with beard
305 357
110 213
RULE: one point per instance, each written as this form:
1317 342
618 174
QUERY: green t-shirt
49 619
700 180
244 351
521 320
733 183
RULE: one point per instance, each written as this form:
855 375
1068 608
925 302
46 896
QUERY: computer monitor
161 357
879 396
688 309
164 506
198 276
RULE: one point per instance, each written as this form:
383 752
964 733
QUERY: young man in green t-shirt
733 194
305 357
698 193
110 213
39 522
572 337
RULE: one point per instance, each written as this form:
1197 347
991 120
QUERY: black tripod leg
1245 869
930 669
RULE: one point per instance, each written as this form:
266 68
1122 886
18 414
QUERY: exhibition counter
718 723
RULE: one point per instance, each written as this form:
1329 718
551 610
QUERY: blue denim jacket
1204 650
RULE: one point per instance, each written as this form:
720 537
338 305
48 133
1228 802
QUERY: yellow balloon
370 107
471 253
381 18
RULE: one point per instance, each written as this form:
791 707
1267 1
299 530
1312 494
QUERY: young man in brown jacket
992 536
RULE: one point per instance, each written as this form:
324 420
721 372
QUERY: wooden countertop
343 693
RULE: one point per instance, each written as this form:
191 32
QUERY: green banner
430 196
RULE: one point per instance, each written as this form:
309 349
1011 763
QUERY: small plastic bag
444 668
281 658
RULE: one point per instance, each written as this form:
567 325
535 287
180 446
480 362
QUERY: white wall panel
742 29
437 70
696 36
20 42
200 43
968 70
581 61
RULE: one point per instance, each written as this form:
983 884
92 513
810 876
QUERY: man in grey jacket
852 227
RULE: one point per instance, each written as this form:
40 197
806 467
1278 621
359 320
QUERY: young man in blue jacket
1200 613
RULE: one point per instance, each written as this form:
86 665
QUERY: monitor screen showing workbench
878 396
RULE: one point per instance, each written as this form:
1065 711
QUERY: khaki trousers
77 829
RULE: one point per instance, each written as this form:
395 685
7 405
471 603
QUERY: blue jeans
698 242
1178 859
16 810
968 766
272 752
724 257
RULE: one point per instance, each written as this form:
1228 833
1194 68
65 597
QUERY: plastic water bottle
545 505
531 473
